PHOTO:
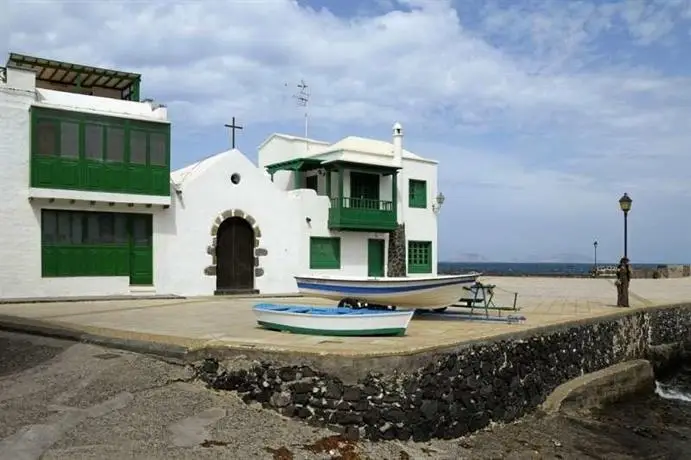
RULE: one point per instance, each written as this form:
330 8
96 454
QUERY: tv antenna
302 97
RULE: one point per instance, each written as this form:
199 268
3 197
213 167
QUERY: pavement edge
149 346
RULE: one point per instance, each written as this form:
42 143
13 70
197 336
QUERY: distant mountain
562 258
569 257
467 257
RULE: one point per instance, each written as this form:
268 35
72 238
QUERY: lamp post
625 205
595 258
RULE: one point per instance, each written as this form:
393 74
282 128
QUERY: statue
622 283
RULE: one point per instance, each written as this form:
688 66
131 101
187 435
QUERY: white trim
107 197
142 289
341 155
105 113
291 138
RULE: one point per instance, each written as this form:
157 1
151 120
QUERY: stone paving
229 322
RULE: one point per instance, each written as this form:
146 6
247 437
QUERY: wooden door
141 250
375 257
234 256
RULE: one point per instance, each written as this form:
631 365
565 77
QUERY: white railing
3 75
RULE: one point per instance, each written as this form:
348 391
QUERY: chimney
398 145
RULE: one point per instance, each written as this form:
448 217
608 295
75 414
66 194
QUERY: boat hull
332 321
430 292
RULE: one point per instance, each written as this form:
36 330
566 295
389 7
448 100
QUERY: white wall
275 150
278 149
421 224
102 105
186 233
353 244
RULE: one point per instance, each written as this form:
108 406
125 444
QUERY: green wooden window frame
417 193
88 243
419 256
75 150
325 253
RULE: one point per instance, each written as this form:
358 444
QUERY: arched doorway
234 257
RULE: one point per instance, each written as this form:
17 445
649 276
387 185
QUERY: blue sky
542 113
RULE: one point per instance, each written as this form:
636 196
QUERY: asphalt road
62 400
65 400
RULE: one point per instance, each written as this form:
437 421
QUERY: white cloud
527 96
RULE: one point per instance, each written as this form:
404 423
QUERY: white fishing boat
423 292
331 321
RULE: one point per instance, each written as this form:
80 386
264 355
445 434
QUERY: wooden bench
469 301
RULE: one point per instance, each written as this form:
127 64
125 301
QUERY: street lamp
595 262
625 205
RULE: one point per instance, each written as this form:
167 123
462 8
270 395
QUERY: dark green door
141 250
375 257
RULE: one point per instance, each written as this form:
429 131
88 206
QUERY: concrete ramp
605 386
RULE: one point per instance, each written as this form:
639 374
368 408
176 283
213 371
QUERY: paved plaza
195 323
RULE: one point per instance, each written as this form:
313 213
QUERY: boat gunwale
354 314
388 280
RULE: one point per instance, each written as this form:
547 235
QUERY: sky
541 113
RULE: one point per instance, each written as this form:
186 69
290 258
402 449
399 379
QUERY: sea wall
614 383
663 271
452 392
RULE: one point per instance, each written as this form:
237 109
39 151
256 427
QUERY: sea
650 426
526 268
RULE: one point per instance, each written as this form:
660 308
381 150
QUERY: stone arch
259 252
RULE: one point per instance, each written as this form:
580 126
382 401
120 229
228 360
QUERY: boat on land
311 320
415 292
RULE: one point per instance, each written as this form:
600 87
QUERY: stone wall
663 271
397 265
459 391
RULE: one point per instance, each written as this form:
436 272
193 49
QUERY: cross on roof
233 127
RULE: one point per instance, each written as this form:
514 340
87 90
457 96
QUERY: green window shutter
325 253
83 243
419 256
94 137
70 143
417 193
45 137
115 144
158 149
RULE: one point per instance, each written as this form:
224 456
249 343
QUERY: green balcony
83 151
362 214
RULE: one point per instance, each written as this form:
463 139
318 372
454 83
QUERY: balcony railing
361 214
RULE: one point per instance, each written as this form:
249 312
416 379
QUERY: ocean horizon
529 268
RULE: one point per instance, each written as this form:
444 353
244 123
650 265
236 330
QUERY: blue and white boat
300 319
415 292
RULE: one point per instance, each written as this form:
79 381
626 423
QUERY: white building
92 209
369 203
